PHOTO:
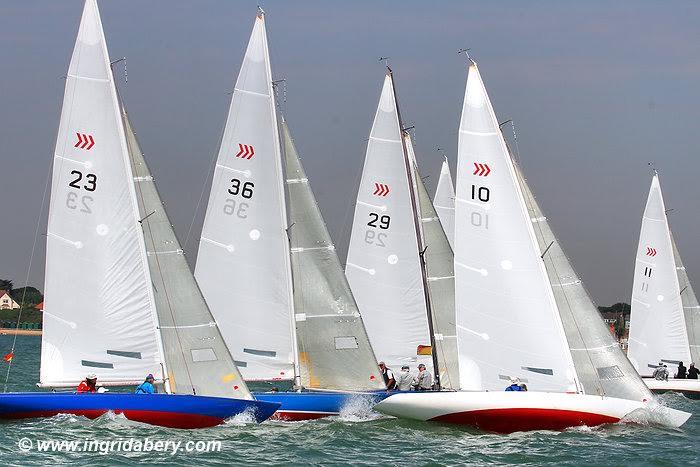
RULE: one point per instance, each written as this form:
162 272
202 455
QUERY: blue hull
297 406
169 410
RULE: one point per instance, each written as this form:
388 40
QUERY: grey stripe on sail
123 353
610 372
542 371
672 362
507 378
240 364
262 353
96 364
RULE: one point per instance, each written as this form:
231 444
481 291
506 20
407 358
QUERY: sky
597 90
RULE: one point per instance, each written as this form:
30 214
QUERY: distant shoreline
20 332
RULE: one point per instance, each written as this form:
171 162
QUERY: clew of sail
334 350
601 366
98 315
383 266
691 307
198 361
444 202
243 261
507 319
439 265
657 323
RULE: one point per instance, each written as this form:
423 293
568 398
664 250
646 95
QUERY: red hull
525 419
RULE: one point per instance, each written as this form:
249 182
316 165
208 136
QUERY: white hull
507 412
688 387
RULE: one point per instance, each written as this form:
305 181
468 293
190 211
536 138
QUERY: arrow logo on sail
381 189
84 141
651 251
245 151
481 170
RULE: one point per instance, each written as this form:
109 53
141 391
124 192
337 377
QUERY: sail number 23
80 181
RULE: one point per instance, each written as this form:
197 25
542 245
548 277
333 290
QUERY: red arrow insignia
245 151
651 251
84 141
481 170
381 189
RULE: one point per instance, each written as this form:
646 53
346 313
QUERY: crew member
681 371
147 386
424 380
388 376
693 372
405 379
88 384
516 385
661 372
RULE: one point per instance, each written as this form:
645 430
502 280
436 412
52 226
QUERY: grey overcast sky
597 89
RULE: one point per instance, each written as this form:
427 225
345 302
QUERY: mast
419 236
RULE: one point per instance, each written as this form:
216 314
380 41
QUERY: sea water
357 436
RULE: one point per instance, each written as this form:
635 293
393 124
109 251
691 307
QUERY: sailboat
444 201
521 310
399 261
267 265
665 315
121 301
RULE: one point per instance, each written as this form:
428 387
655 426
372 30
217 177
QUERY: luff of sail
601 366
507 319
439 265
657 323
196 356
383 266
334 350
243 261
691 307
444 202
99 316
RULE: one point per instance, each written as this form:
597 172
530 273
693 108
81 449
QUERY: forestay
439 265
334 350
691 308
657 323
601 366
507 320
198 361
99 316
444 202
383 266
243 261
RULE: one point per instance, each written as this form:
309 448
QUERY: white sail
507 319
196 356
691 307
601 366
243 261
657 324
383 265
444 202
99 315
334 350
439 266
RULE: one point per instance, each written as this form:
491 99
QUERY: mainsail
334 350
383 264
99 313
691 307
657 323
243 261
198 361
444 201
439 265
508 324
